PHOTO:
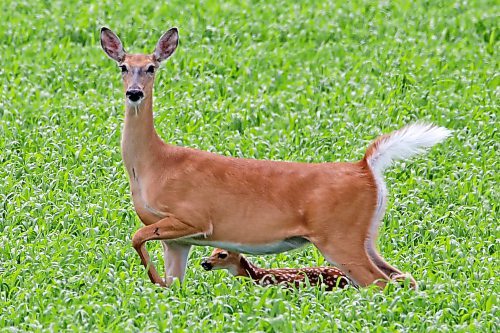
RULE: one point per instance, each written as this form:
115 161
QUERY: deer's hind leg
349 254
393 273
389 270
341 235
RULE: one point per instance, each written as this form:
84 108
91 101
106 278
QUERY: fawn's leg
168 228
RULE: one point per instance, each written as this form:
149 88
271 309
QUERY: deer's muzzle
206 265
134 95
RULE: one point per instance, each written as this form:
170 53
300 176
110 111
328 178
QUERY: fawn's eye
151 69
222 255
124 68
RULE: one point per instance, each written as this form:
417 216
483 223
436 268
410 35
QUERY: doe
188 197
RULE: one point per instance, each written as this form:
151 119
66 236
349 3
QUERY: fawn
188 197
238 265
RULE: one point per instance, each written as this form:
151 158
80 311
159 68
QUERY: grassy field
264 79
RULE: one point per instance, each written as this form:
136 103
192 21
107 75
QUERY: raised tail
403 143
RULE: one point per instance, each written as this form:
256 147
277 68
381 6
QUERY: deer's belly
270 248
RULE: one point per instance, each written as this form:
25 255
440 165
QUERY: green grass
270 80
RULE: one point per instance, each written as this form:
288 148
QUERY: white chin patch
134 104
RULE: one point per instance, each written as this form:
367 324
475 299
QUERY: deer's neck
140 141
247 269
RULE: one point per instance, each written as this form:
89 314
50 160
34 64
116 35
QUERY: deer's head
138 70
222 259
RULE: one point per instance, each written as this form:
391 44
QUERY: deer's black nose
134 95
206 265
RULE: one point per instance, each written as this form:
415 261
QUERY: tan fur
181 194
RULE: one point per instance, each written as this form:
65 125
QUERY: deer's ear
166 45
112 45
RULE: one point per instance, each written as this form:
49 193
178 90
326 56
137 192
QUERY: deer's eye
124 68
222 255
151 69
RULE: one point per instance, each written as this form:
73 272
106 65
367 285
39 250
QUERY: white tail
403 143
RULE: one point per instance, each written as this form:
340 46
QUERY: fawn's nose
134 95
206 265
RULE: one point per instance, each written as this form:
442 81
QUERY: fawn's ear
166 45
112 45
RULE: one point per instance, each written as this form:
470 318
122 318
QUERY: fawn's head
138 70
222 259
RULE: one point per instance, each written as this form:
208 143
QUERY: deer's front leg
168 228
175 258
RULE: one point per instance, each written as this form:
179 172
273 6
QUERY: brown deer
238 265
189 197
